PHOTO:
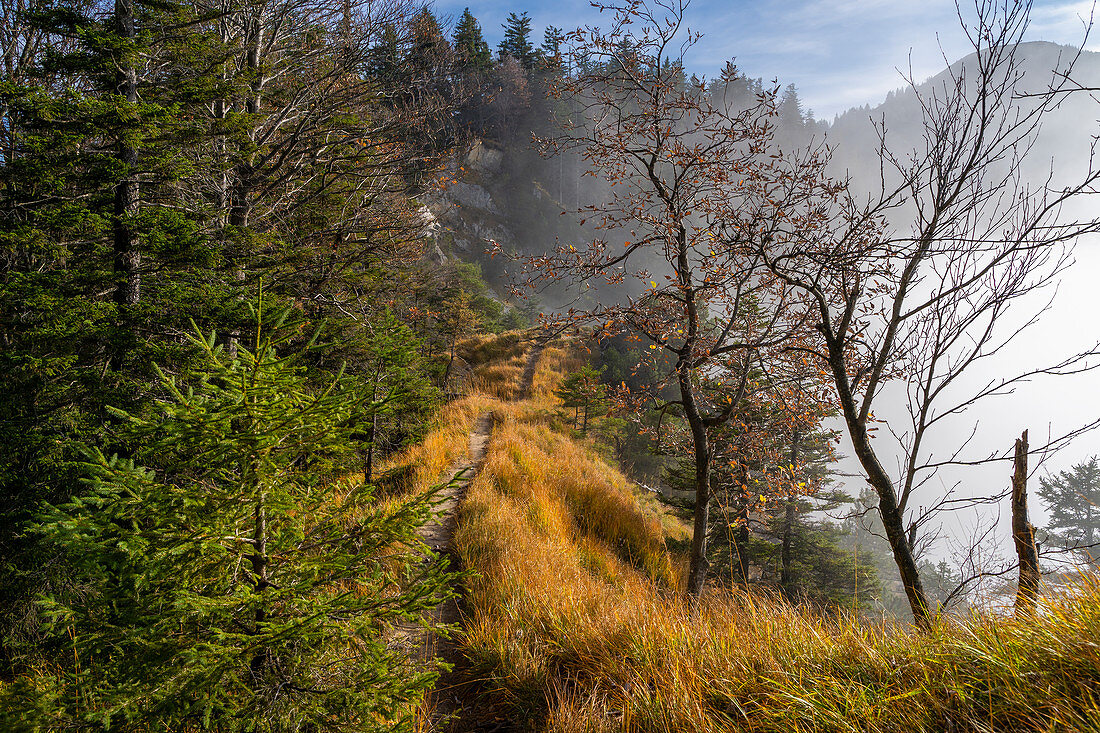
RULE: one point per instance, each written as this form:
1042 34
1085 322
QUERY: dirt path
441 704
452 705
439 533
527 381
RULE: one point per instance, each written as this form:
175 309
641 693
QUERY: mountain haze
1065 138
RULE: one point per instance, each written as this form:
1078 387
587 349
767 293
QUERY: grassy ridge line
497 361
574 628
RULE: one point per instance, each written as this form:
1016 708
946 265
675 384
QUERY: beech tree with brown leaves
677 160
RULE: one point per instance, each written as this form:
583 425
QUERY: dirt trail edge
438 534
527 381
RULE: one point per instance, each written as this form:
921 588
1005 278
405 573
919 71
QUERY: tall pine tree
102 261
1073 500
517 40
552 39
471 51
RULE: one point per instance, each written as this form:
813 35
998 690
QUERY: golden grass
574 623
557 360
488 348
445 444
499 360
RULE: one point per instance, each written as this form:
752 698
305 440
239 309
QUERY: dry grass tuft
493 347
498 361
557 361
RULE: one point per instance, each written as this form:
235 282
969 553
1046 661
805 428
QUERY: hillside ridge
573 616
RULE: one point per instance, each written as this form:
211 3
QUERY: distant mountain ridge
1038 59
1063 145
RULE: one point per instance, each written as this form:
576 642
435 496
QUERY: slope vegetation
573 620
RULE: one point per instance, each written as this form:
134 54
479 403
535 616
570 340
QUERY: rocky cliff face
499 196
465 215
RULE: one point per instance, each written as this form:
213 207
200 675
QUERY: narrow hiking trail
527 381
422 644
452 695
439 533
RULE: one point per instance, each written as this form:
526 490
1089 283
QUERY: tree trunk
697 571
742 537
219 113
786 581
893 523
260 573
241 190
891 515
1023 533
239 210
451 360
371 432
127 253
1088 523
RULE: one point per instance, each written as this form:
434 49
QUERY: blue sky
839 53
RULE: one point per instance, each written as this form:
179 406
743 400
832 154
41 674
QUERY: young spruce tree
232 584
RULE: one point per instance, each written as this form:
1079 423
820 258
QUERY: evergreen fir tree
92 181
790 108
582 391
429 52
550 51
384 58
823 571
471 50
795 122
383 358
517 40
1073 500
233 584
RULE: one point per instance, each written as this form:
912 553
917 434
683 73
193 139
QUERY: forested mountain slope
1062 145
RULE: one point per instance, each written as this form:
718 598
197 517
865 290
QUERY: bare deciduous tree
677 161
936 273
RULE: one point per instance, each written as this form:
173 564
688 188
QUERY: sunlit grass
574 621
557 360
445 444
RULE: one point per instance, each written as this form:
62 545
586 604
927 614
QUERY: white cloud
1063 20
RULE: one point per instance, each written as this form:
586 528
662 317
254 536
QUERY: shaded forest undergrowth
573 618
